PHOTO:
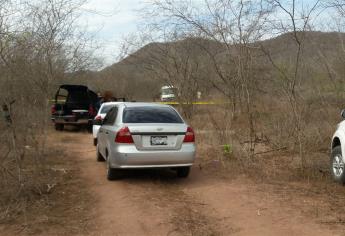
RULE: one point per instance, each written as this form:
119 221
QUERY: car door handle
106 132
101 131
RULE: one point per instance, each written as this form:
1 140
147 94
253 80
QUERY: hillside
134 77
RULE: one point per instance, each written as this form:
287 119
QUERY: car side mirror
97 122
343 114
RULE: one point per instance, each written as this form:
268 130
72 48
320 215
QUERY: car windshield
151 115
168 91
106 108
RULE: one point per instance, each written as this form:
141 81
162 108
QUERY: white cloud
110 21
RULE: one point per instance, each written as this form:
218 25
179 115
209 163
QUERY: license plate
159 140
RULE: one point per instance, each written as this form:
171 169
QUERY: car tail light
53 109
98 118
124 136
92 110
190 137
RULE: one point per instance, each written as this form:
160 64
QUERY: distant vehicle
74 105
168 93
145 135
337 162
97 122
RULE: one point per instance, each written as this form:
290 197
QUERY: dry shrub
318 123
37 181
219 138
33 60
48 197
223 138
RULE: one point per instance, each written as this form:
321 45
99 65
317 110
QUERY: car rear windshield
105 109
150 115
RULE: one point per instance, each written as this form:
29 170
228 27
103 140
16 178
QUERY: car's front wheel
183 172
99 155
337 165
113 174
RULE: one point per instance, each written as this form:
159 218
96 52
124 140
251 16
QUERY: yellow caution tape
194 103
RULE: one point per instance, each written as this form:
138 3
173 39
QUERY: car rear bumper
128 157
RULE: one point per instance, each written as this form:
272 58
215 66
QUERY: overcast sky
110 21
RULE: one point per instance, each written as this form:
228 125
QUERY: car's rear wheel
337 165
99 155
94 142
59 127
113 174
183 172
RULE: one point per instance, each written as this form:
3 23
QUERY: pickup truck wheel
94 142
183 172
99 155
113 174
337 165
59 127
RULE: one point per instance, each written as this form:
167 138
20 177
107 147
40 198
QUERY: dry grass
223 140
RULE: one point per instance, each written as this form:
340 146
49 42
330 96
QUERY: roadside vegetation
40 45
275 70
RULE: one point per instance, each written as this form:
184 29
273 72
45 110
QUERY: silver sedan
145 135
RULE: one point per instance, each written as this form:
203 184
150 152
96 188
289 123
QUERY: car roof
110 103
144 104
168 87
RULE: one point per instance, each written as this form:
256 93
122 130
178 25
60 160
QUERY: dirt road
157 203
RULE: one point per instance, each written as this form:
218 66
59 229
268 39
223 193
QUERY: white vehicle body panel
95 128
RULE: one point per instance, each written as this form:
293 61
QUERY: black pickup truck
74 105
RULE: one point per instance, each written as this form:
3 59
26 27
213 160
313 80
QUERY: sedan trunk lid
158 136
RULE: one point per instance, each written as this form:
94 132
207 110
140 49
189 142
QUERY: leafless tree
40 44
298 24
177 63
235 25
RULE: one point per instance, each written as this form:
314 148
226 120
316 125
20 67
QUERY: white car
145 135
105 107
338 148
